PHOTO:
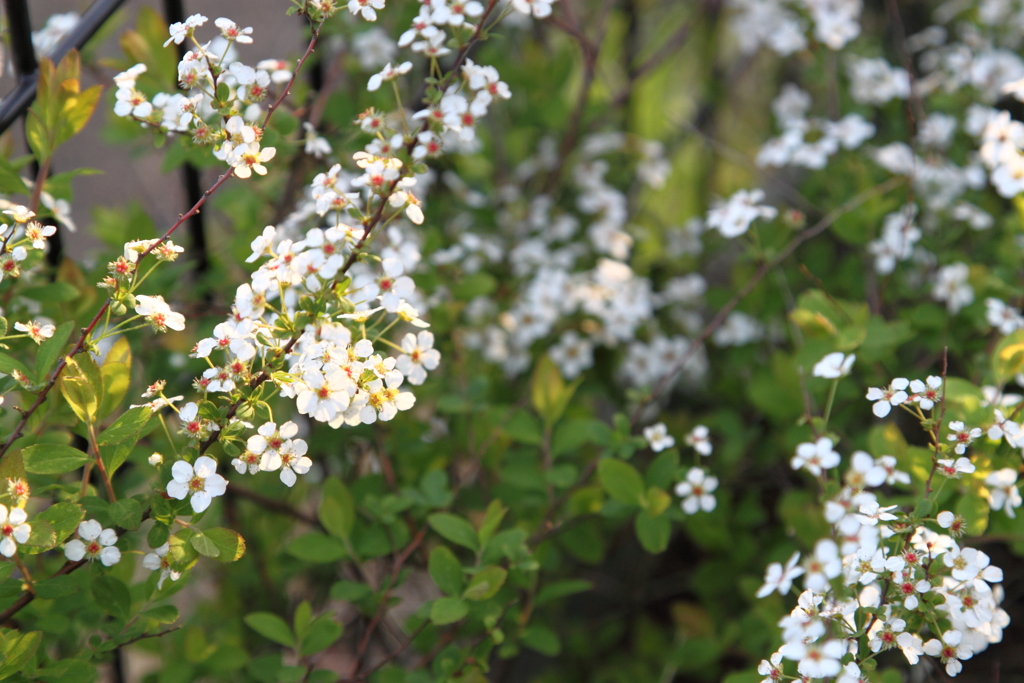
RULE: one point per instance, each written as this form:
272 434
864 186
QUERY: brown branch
28 596
274 505
391 655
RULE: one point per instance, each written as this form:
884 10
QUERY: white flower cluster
780 24
924 393
274 448
883 570
566 272
697 489
214 82
19 233
809 141
733 218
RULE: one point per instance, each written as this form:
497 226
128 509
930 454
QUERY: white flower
885 399
952 287
926 394
201 481
962 436
156 311
573 354
696 491
388 73
815 457
384 400
885 635
158 560
950 650
658 437
823 566
865 471
893 475
816 660
316 145
13 530
953 469
231 31
248 157
956 524
850 674
95 542
834 365
733 218
779 578
36 331
263 245
970 563
911 645
365 8
231 336
538 8
180 30
871 513
419 357
290 458
771 668
323 396
1003 492
699 440
156 460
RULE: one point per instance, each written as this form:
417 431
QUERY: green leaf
542 639
621 480
974 508
549 393
80 397
112 595
337 510
454 528
114 456
230 545
49 350
446 570
116 374
126 513
485 583
448 610
68 671
317 548
158 535
53 459
57 587
492 520
271 627
349 591
323 632
42 538
203 545
18 651
302 619
1008 357
63 517
165 614
8 365
561 589
653 532
125 427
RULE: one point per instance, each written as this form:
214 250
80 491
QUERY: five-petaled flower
201 481
93 542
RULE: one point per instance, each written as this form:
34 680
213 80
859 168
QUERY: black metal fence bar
174 11
17 102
